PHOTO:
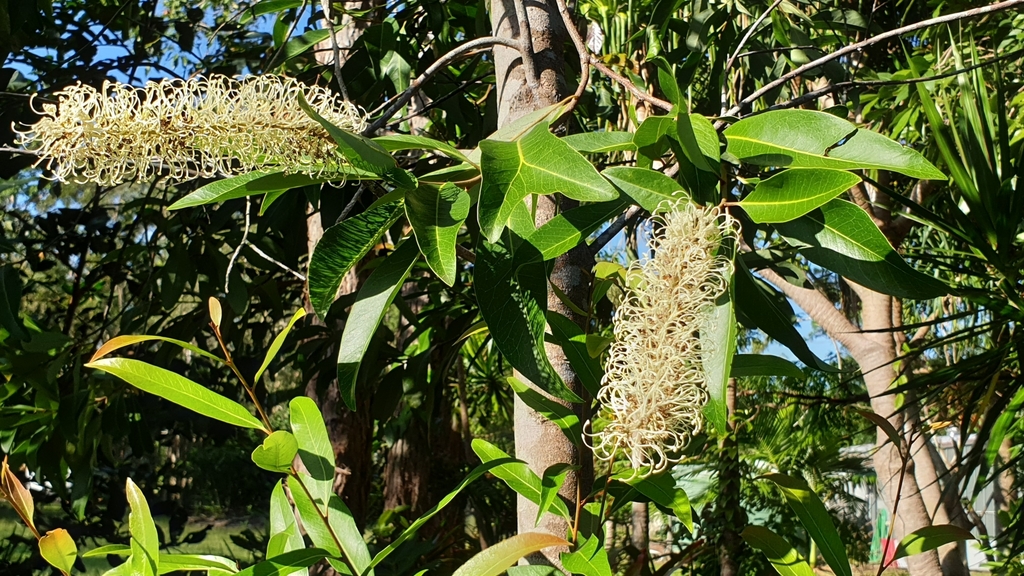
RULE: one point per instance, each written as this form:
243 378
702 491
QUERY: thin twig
404 98
287 37
581 49
19 151
269 258
351 203
234 255
632 88
526 48
872 83
613 229
465 253
778 49
868 42
335 51
750 31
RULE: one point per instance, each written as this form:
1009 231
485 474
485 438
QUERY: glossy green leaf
145 543
534 570
341 247
108 550
10 302
397 142
815 519
573 341
652 139
357 555
567 229
744 365
277 452
363 153
651 190
58 548
373 300
254 183
287 563
886 427
437 216
810 139
565 418
178 389
589 559
537 163
718 339
758 305
781 554
601 142
499 557
313 515
266 7
550 483
415 526
795 192
275 346
930 538
197 563
688 140
517 475
840 236
513 297
284 530
315 449
662 490
119 342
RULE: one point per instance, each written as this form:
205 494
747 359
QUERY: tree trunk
728 507
539 442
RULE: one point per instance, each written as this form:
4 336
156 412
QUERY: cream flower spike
654 384
200 127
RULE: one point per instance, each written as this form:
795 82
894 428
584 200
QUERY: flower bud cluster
200 127
654 384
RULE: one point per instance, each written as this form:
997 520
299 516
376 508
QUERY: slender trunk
639 531
728 508
538 441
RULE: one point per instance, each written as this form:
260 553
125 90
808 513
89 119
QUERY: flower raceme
654 384
200 127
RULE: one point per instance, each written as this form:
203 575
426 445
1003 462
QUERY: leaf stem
268 429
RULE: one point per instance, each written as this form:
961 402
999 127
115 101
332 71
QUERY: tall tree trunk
728 510
539 442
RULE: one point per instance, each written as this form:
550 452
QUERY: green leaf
266 7
662 490
121 341
10 302
840 236
341 247
315 449
744 365
930 538
566 420
652 139
718 339
196 562
534 570
784 558
277 452
810 139
600 142
573 341
352 544
287 563
538 163
261 182
886 427
58 548
284 531
758 305
795 192
275 346
589 559
363 153
550 483
374 298
437 216
651 190
512 294
397 142
312 515
815 520
565 231
499 557
178 389
688 140
109 549
517 475
415 526
145 542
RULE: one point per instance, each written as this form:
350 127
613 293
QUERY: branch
526 48
999 6
581 49
613 229
819 308
743 42
632 88
404 98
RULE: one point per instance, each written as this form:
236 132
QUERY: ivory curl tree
522 215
